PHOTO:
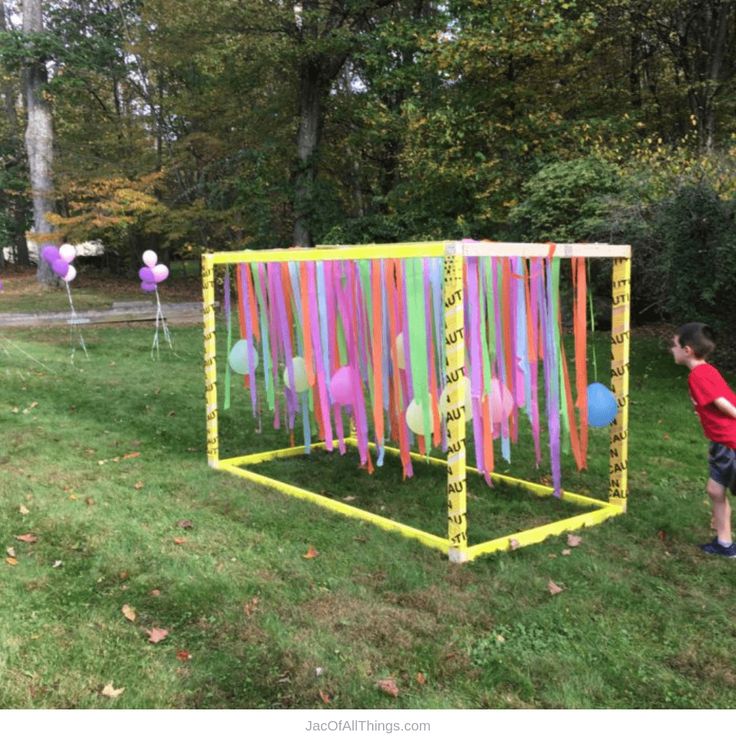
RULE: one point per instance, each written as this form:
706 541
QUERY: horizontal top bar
433 249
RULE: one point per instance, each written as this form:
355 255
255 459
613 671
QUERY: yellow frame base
602 510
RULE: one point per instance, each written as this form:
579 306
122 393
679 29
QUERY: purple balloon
60 267
146 274
148 286
50 253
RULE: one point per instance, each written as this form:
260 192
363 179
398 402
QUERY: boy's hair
697 336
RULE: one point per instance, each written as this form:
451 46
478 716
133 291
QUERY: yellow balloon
301 382
415 417
445 401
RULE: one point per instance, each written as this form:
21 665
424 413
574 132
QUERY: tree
39 134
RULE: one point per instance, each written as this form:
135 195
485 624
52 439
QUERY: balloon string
73 322
160 324
592 324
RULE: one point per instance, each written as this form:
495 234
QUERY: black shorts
722 465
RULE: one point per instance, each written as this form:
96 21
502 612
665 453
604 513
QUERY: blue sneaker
716 548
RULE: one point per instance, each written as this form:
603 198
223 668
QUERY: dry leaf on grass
573 540
553 588
251 606
11 560
310 554
57 563
421 679
156 635
388 686
138 485
185 524
155 593
23 510
129 612
110 692
10 552
131 455
30 538
324 697
566 552
179 540
183 655
513 544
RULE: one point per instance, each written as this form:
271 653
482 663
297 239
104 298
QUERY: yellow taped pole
457 521
620 340
210 364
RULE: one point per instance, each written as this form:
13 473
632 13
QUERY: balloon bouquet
152 274
60 259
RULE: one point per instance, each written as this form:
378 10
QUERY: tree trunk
8 92
39 139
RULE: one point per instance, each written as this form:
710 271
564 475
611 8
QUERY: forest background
185 127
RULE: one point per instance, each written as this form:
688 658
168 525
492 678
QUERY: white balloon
400 354
301 382
71 274
239 357
150 258
415 417
445 401
160 273
67 252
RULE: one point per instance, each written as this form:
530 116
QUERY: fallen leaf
129 612
421 679
33 405
89 501
123 574
171 414
30 538
185 524
662 535
10 551
388 686
573 540
130 455
179 540
138 485
110 692
250 608
553 588
324 697
155 593
11 560
513 544
183 655
156 635
348 498
57 563
566 552
310 554
23 510
319 671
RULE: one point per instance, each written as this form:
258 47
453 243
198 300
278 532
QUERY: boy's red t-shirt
706 385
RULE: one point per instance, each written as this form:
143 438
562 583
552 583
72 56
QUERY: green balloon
239 357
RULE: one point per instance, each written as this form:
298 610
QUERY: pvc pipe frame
455 545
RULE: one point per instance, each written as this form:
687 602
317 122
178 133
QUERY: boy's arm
726 406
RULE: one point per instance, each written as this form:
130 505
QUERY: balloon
49 253
239 357
148 286
150 258
160 273
415 417
445 400
301 383
146 274
60 267
502 402
342 384
67 252
71 274
400 354
602 406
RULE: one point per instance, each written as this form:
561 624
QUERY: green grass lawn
104 462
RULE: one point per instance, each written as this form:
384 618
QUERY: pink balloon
502 402
148 286
60 267
160 273
150 258
146 274
342 384
68 252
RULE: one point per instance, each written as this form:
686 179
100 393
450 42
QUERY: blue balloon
602 406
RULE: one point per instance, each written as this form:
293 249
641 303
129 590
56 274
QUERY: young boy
715 405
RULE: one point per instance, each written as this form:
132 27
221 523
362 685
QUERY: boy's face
680 354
